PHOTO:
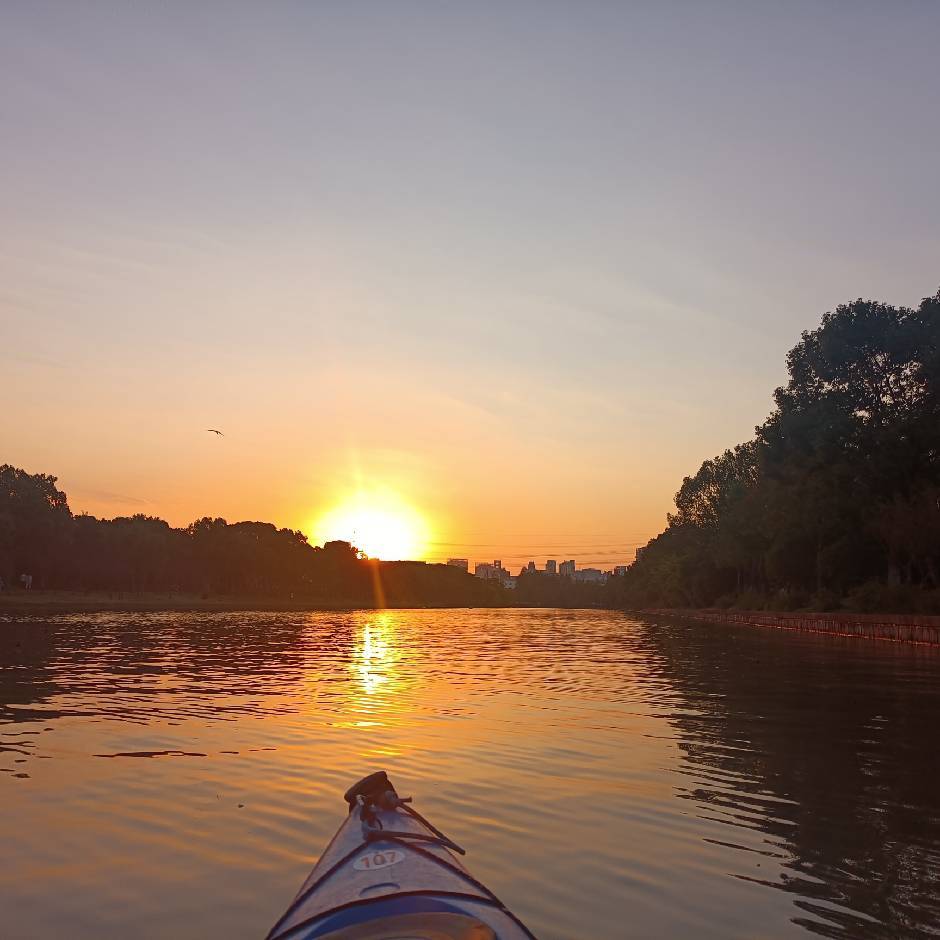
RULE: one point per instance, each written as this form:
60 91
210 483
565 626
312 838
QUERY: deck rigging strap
373 829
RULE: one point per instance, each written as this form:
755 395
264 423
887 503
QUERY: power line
541 540
540 546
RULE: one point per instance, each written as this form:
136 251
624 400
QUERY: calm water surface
176 775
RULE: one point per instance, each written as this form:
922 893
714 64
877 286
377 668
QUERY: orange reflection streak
378 592
375 691
372 654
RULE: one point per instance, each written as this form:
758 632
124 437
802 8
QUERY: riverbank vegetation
209 560
835 502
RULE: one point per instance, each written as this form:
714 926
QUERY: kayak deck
388 874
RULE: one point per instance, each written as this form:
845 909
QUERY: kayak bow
389 874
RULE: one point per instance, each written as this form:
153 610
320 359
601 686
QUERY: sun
380 524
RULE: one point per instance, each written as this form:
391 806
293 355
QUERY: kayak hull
389 874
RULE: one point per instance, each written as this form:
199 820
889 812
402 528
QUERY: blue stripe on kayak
299 931
378 910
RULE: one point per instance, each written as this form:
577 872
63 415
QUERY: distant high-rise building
551 566
620 570
566 569
463 563
530 567
590 574
494 572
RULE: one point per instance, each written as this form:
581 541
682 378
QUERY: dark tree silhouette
211 557
35 525
837 498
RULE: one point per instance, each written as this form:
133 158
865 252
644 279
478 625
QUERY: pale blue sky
525 264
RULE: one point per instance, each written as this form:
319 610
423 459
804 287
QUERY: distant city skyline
495 571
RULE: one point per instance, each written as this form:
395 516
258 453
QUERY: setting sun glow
380 524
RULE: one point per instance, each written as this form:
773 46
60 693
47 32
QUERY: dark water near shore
175 775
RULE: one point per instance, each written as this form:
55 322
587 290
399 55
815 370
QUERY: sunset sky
508 271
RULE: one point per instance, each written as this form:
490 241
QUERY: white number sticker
378 860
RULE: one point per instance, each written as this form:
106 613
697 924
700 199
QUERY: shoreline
38 602
13 602
913 629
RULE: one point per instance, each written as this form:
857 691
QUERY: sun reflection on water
374 654
679 755
376 671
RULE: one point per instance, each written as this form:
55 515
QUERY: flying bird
213 431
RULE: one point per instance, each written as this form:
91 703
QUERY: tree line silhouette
40 536
834 502
836 499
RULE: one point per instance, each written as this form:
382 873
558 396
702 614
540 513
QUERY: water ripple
715 783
